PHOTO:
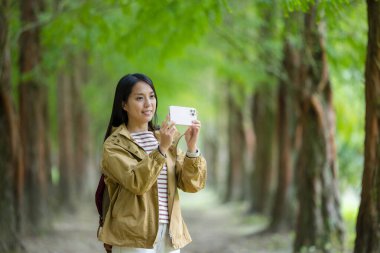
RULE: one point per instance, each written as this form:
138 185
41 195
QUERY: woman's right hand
167 132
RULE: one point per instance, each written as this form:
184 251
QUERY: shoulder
120 138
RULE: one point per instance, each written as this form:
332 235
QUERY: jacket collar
122 129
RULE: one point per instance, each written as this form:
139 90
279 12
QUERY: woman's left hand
191 136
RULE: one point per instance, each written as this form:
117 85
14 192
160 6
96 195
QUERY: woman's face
141 104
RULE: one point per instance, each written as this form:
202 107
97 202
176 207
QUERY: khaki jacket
131 178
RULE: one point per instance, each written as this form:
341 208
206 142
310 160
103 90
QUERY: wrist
162 151
194 154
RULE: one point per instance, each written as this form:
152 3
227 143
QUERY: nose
147 103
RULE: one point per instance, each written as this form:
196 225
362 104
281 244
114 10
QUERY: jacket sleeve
191 172
136 177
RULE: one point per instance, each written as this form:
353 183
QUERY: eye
139 98
152 96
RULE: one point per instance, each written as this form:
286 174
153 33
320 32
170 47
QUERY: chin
148 119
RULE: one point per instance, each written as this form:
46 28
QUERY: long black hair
123 90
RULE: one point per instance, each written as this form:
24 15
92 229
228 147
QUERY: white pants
162 244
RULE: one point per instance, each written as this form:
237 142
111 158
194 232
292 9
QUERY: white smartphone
182 115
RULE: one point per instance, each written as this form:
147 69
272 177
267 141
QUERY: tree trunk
81 131
319 223
10 149
262 176
236 156
33 118
66 142
278 214
263 113
73 124
279 208
368 221
211 153
282 214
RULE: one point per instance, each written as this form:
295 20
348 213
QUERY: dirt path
219 228
75 233
214 229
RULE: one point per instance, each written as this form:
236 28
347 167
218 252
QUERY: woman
143 171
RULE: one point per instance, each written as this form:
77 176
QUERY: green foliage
14 28
192 49
249 46
346 40
329 6
350 204
123 37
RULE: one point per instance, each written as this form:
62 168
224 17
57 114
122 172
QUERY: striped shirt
148 142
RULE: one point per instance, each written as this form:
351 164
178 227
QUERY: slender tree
81 122
281 213
263 117
368 220
319 222
66 141
10 149
33 119
73 128
211 153
236 142
263 112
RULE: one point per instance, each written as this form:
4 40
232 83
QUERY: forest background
279 86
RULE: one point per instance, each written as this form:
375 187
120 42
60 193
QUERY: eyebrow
136 94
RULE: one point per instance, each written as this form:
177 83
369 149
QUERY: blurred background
279 89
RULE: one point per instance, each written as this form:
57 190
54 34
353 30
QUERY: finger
171 124
172 131
196 131
197 128
196 124
188 131
165 123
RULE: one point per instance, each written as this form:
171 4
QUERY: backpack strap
99 198
102 203
107 247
